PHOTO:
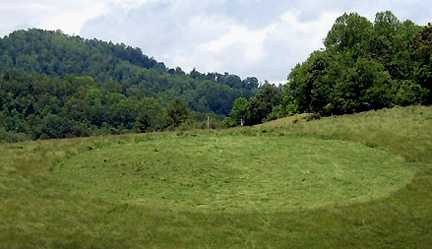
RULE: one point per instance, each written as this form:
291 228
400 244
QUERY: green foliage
423 49
177 113
350 33
364 66
121 67
46 107
256 109
261 105
54 86
239 111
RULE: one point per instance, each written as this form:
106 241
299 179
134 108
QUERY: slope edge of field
39 211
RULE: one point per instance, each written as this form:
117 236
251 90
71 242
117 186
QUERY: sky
260 38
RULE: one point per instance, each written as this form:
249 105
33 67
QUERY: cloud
263 38
250 38
68 16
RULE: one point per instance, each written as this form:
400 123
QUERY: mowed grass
235 173
355 181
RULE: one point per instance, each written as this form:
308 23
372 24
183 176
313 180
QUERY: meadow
352 181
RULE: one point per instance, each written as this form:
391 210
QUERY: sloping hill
357 181
404 130
121 67
54 85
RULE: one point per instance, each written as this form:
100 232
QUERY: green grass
235 173
355 181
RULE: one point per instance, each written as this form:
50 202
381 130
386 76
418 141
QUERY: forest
54 85
364 66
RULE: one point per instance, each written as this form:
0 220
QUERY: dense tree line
121 67
364 66
256 109
36 106
53 85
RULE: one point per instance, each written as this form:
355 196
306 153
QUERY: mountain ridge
54 53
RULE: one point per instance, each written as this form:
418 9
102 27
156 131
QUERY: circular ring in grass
235 173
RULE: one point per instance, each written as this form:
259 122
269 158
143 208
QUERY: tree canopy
365 65
121 67
54 85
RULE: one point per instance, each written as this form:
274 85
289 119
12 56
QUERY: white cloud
68 16
73 18
265 38
250 40
268 51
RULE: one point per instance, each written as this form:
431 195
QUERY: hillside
120 67
362 181
54 85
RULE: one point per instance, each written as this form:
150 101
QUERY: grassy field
354 181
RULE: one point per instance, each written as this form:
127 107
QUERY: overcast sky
262 38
